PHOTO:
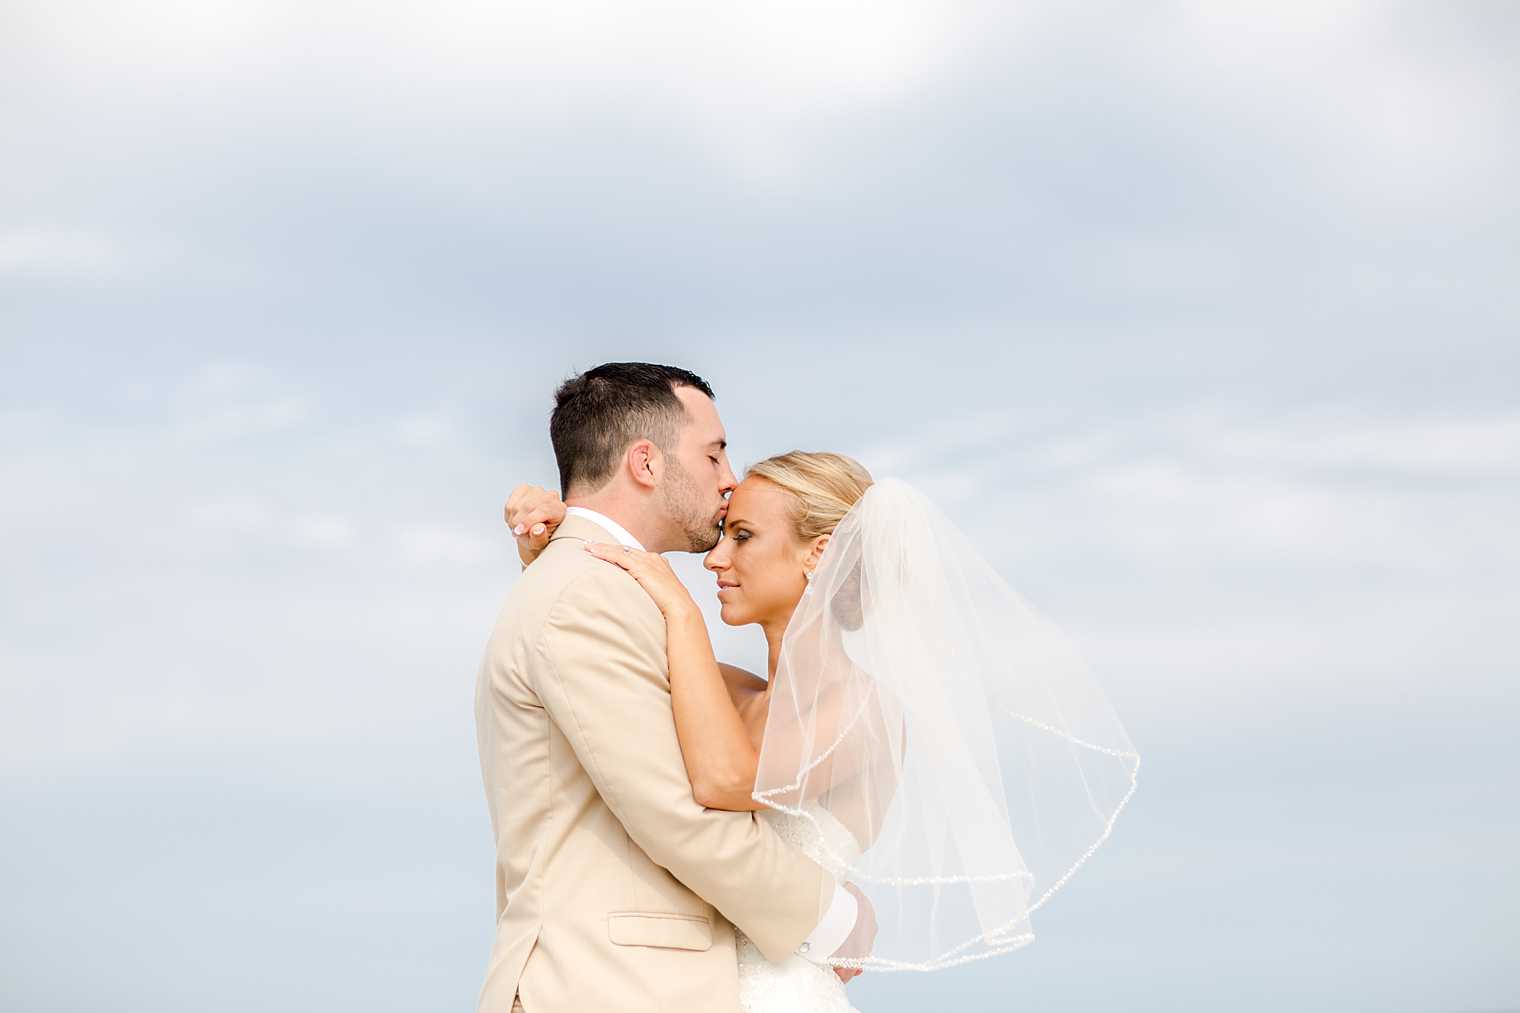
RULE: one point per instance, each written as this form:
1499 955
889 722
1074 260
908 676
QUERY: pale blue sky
1202 318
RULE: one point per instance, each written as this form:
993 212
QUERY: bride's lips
724 585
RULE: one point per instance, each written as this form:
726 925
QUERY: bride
916 716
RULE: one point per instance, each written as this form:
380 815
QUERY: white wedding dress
796 985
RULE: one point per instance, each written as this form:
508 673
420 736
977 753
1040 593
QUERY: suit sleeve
604 683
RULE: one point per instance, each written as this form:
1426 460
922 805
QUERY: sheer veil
942 736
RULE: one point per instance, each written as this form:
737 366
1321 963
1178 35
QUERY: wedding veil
944 738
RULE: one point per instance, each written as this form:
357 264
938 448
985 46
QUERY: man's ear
644 463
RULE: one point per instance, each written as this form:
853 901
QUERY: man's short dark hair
599 413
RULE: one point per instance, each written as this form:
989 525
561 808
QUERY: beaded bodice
795 985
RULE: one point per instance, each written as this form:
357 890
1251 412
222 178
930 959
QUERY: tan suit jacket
615 890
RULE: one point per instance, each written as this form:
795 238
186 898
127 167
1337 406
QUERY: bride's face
759 561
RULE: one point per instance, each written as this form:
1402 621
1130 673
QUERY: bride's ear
814 553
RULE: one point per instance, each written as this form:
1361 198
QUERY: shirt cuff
833 928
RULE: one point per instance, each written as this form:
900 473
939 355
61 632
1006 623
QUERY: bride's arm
719 754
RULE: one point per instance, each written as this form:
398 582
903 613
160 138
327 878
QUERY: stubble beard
683 505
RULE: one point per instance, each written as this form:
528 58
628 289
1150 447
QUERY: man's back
590 806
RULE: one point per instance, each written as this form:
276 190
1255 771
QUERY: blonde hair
823 486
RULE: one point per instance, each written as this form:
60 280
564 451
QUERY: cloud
1385 115
557 171
231 400
435 544
1149 298
1319 489
424 429
1485 446
243 421
326 530
246 517
748 84
225 378
59 254
101 257
233 515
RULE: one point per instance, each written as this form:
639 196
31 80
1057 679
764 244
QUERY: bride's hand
532 514
861 938
653 574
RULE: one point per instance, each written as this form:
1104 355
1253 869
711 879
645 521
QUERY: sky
1200 318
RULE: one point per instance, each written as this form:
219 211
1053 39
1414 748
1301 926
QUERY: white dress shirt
839 920
613 527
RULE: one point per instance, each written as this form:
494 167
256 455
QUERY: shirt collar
615 529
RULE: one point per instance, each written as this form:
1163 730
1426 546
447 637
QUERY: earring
808 575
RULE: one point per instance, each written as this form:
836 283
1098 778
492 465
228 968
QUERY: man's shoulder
561 562
581 608
567 579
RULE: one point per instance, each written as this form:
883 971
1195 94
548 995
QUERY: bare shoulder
747 691
741 684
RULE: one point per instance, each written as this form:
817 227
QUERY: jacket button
804 947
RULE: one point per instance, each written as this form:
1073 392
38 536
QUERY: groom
615 890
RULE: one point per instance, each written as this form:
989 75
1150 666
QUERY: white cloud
241 515
225 378
1182 513
61 254
260 570
95 256
424 429
325 530
1421 447
1070 452
1325 489
937 440
434 544
243 421
755 86
234 399
1388 117
248 517
22 427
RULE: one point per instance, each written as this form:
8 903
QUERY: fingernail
538 529
518 530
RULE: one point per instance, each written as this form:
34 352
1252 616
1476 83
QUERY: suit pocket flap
682 932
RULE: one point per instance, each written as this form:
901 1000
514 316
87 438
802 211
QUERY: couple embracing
923 764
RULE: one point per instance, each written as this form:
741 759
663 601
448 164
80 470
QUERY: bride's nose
713 560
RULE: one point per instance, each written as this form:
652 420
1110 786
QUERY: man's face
698 477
